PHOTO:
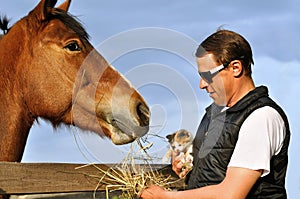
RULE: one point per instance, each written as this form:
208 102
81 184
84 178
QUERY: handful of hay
131 178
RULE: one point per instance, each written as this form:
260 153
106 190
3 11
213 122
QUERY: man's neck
241 89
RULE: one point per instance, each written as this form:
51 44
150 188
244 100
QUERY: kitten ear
170 137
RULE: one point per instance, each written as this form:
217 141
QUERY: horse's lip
123 130
119 136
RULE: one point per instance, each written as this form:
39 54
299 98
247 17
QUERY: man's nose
203 84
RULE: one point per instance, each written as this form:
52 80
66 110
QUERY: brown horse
50 70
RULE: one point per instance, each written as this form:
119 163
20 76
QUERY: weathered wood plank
16 178
77 195
33 178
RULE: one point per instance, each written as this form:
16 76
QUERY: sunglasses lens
206 76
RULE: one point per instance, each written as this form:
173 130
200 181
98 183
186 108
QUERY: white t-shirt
261 136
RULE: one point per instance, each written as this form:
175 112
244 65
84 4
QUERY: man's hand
177 166
154 192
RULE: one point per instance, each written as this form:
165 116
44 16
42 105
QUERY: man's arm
237 184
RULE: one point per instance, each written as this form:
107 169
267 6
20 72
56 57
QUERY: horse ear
65 5
44 8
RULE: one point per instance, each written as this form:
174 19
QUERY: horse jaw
119 113
120 126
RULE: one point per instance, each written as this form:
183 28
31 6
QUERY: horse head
52 71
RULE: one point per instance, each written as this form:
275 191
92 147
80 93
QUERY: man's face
212 78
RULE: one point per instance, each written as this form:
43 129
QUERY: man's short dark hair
227 46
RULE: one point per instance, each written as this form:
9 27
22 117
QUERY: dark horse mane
69 20
4 21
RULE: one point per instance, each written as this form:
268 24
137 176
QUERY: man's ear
237 68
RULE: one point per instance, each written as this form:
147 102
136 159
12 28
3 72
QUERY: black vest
216 139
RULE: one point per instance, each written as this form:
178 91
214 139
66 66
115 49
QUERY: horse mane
4 21
70 21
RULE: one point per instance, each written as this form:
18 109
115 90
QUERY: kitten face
180 140
181 146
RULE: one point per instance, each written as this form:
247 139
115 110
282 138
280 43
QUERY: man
241 146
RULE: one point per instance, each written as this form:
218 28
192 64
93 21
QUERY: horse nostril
143 113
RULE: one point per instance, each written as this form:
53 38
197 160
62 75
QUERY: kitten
181 145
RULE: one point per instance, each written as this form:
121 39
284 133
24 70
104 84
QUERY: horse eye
74 46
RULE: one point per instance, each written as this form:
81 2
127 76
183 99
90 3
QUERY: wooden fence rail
36 178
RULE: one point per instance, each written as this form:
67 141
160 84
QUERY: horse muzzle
126 125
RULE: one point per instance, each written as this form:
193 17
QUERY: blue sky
158 38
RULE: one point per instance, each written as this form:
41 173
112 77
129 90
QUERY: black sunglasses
208 75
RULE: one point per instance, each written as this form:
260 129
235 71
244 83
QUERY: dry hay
131 178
